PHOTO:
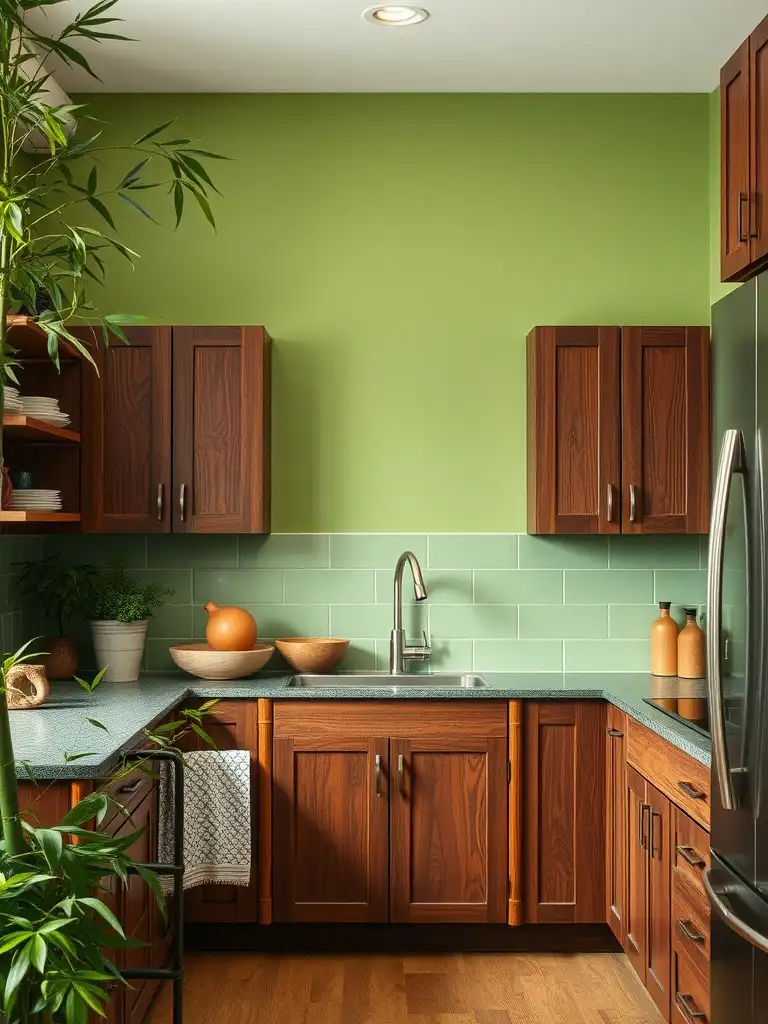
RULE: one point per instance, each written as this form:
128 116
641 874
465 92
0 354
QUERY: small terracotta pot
61 662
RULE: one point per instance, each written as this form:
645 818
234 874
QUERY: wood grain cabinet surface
564 811
615 820
176 433
744 158
390 811
618 430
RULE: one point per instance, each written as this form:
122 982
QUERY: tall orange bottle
691 648
664 643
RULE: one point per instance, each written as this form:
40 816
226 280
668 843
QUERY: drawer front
690 854
129 791
681 778
690 920
690 992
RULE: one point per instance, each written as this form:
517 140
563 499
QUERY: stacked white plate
42 408
35 500
11 400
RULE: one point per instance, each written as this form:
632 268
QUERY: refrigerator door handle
718 897
731 462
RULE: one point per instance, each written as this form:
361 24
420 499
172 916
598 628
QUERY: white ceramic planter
119 646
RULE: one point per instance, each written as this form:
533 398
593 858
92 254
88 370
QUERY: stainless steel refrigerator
737 658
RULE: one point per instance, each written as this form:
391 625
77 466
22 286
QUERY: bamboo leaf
155 131
93 179
202 202
153 882
203 735
51 845
101 209
97 723
137 206
178 201
134 172
103 910
17 973
38 952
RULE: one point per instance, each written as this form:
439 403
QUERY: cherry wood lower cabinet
564 811
390 811
615 820
233 725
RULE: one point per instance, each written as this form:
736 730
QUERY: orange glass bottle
691 648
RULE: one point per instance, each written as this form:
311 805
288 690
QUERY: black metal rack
175 972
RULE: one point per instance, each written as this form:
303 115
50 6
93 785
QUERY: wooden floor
476 988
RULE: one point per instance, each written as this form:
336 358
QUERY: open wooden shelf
31 341
28 428
39 517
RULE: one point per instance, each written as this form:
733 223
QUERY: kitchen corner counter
43 737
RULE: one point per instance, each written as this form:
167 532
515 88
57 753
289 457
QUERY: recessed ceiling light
396 16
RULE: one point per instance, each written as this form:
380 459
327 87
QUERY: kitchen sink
466 681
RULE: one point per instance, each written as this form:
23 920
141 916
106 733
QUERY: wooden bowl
312 653
202 661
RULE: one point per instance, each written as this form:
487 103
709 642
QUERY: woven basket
26 687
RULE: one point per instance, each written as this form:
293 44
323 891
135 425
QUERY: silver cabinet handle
655 814
690 856
731 462
183 502
743 198
734 922
609 505
615 734
378 774
684 927
160 502
632 503
401 774
644 809
688 1008
131 787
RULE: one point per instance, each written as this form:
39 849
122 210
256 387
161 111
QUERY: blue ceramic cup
21 479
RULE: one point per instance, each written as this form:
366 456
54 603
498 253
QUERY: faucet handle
418 652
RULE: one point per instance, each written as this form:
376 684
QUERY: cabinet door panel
665 429
573 430
615 836
221 430
758 113
330 828
564 813
659 900
636 913
448 829
734 118
233 725
127 436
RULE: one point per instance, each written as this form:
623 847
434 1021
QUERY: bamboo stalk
9 787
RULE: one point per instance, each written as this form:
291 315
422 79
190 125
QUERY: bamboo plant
52 258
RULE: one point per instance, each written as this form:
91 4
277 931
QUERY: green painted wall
399 248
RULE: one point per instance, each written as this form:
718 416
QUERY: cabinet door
330 818
564 812
233 725
734 170
615 820
140 916
573 430
448 842
665 429
220 430
659 900
636 911
758 116
127 436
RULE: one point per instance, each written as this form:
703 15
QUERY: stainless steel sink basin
467 681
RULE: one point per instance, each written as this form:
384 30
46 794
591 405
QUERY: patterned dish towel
217 818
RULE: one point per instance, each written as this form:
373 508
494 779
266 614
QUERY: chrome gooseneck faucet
399 652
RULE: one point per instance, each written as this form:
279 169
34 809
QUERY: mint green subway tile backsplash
497 602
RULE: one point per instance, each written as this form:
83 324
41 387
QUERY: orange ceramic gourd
230 628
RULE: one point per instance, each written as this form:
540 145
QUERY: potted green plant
57 590
119 607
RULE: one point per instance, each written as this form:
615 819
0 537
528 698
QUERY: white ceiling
465 46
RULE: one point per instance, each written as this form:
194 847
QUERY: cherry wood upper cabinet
573 440
127 436
615 818
176 433
220 430
564 812
744 158
618 430
665 427
448 826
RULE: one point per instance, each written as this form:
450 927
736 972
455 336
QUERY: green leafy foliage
58 919
55 588
117 594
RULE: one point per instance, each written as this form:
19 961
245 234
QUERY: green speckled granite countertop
43 736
